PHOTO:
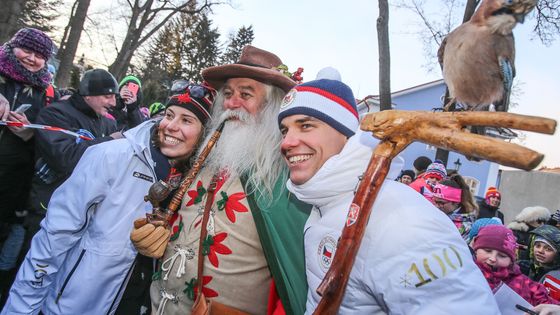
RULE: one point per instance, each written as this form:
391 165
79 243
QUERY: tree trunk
120 66
384 55
62 45
470 7
136 26
66 56
9 18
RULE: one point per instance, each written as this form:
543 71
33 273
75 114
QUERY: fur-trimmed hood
534 213
518 226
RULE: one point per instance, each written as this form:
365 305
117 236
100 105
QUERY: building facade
428 97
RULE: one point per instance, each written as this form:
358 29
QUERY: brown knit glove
150 240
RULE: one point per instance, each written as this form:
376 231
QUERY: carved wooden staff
396 130
160 190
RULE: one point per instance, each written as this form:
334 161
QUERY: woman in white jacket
81 259
411 260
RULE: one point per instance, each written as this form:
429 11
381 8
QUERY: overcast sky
313 34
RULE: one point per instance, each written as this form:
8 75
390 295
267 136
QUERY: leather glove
150 240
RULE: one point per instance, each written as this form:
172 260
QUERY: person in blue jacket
81 259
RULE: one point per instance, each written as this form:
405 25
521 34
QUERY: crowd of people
258 227
523 255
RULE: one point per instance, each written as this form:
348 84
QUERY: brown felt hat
254 63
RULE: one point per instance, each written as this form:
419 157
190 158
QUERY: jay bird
477 58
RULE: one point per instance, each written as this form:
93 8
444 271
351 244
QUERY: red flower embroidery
207 291
218 248
174 218
196 194
231 204
176 229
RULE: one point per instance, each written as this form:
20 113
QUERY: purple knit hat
34 40
496 237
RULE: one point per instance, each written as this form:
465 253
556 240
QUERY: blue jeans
11 247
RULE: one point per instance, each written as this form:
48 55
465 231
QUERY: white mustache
240 115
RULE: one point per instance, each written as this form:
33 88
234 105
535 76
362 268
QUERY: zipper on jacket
69 276
15 98
87 218
151 167
122 286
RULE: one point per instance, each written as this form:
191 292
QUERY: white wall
521 189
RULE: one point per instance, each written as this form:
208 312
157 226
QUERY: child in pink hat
435 173
495 256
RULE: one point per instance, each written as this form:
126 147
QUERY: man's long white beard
233 151
248 146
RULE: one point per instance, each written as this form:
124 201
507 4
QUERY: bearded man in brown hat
253 251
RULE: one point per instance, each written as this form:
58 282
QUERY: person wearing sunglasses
82 258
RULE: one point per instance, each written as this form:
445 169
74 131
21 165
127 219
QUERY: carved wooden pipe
159 192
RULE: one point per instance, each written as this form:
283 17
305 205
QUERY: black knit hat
34 40
98 82
408 173
196 98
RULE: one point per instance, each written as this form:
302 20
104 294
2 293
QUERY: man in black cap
58 153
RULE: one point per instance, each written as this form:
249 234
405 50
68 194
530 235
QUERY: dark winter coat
528 266
524 240
487 211
128 116
17 155
59 153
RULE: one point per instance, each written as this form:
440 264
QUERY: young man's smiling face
307 144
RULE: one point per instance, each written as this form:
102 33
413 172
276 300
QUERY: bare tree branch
146 19
547 25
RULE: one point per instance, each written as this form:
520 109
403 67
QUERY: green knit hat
129 78
156 108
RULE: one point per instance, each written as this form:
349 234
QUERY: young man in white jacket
82 258
412 260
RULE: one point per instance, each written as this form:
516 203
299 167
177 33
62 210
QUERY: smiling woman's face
179 131
29 60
